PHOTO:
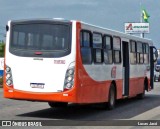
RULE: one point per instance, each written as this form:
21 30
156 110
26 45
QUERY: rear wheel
112 97
57 104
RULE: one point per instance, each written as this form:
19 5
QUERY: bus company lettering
59 61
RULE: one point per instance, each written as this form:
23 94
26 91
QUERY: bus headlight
69 79
9 80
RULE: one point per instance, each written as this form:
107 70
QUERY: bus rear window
47 38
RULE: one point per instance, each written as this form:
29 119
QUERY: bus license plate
37 85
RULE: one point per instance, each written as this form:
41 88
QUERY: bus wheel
112 98
57 104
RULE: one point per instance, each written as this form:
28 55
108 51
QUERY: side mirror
155 54
7 27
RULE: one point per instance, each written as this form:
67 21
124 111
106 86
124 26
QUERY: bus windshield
28 38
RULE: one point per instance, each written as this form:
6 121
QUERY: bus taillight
69 79
9 80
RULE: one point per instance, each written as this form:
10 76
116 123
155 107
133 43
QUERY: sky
110 14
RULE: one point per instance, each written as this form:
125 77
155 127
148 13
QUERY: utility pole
141 19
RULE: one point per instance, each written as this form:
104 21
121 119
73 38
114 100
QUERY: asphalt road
129 109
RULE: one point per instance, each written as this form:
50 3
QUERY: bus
68 61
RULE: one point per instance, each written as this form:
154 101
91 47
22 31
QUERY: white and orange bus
61 62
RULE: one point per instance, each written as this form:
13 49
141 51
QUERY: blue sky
110 14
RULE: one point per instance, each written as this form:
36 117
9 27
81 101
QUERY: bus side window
146 53
85 39
97 47
107 49
98 56
86 50
140 58
133 56
117 49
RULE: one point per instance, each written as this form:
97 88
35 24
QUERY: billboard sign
133 28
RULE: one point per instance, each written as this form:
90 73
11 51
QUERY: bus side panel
136 86
119 86
137 77
92 91
89 90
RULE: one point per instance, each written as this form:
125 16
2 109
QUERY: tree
2 46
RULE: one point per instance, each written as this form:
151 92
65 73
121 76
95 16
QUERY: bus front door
125 52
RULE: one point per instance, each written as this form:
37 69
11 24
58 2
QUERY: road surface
129 109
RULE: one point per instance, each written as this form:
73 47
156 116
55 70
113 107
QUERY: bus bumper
67 96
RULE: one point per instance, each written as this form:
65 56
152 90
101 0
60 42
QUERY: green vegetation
1 81
2 46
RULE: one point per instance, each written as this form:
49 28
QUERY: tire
58 104
111 97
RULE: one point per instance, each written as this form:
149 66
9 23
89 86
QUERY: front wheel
112 98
